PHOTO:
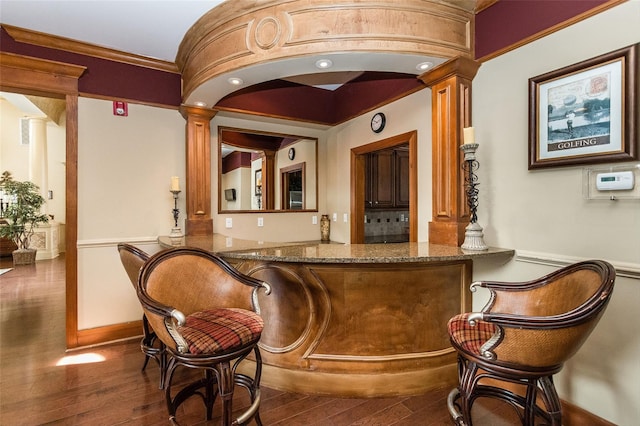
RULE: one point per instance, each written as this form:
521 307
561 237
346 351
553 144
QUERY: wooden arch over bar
243 33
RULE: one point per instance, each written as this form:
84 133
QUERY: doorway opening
292 181
362 199
57 80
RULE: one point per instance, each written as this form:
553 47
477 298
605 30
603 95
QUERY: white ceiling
152 28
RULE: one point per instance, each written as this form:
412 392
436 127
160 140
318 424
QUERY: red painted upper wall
508 22
108 78
280 98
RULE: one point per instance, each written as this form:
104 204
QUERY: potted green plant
21 216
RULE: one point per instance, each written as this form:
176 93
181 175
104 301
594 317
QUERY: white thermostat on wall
614 181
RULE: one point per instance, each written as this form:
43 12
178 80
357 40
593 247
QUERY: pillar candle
175 183
469 135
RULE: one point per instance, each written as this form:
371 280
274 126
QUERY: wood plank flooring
34 390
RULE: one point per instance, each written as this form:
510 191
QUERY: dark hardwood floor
111 390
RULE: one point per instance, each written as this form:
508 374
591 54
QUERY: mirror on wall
260 171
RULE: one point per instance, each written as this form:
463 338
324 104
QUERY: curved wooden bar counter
355 320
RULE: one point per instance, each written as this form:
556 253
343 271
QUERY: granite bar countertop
318 252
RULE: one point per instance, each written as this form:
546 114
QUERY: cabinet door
368 181
383 167
402 178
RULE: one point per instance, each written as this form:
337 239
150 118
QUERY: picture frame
258 182
585 113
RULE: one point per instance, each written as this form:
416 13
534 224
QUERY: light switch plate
260 221
228 222
314 220
335 217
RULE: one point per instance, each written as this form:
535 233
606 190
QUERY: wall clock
292 153
377 122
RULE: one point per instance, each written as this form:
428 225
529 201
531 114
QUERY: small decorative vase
325 228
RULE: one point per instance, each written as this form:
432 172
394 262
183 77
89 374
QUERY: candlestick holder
176 232
473 237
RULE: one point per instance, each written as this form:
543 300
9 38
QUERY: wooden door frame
284 183
358 155
41 77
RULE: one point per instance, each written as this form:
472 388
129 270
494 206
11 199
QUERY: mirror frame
277 176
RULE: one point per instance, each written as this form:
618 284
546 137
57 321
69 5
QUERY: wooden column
269 180
450 85
198 157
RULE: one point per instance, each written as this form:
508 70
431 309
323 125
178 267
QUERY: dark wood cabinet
387 175
402 177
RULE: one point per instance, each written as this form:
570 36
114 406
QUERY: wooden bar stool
207 315
523 336
133 259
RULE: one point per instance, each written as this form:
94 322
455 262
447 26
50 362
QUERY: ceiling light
201 104
235 81
324 63
424 66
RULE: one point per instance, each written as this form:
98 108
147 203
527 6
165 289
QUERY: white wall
14 157
305 153
125 166
56 156
543 213
240 180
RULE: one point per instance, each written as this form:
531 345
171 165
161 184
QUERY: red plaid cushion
220 330
468 337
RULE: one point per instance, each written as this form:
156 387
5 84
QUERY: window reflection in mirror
266 171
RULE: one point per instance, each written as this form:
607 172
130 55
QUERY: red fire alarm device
120 108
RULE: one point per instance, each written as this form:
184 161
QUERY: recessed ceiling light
324 63
235 81
424 66
201 104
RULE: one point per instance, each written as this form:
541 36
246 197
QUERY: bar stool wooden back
523 336
207 315
132 259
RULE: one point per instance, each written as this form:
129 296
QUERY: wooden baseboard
109 333
572 415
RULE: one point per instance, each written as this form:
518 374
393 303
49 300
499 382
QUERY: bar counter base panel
354 385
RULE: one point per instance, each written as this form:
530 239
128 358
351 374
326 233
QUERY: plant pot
24 256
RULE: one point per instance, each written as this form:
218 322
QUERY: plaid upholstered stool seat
220 330
511 349
474 339
207 315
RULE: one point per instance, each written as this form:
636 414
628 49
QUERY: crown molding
38 75
61 43
483 4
